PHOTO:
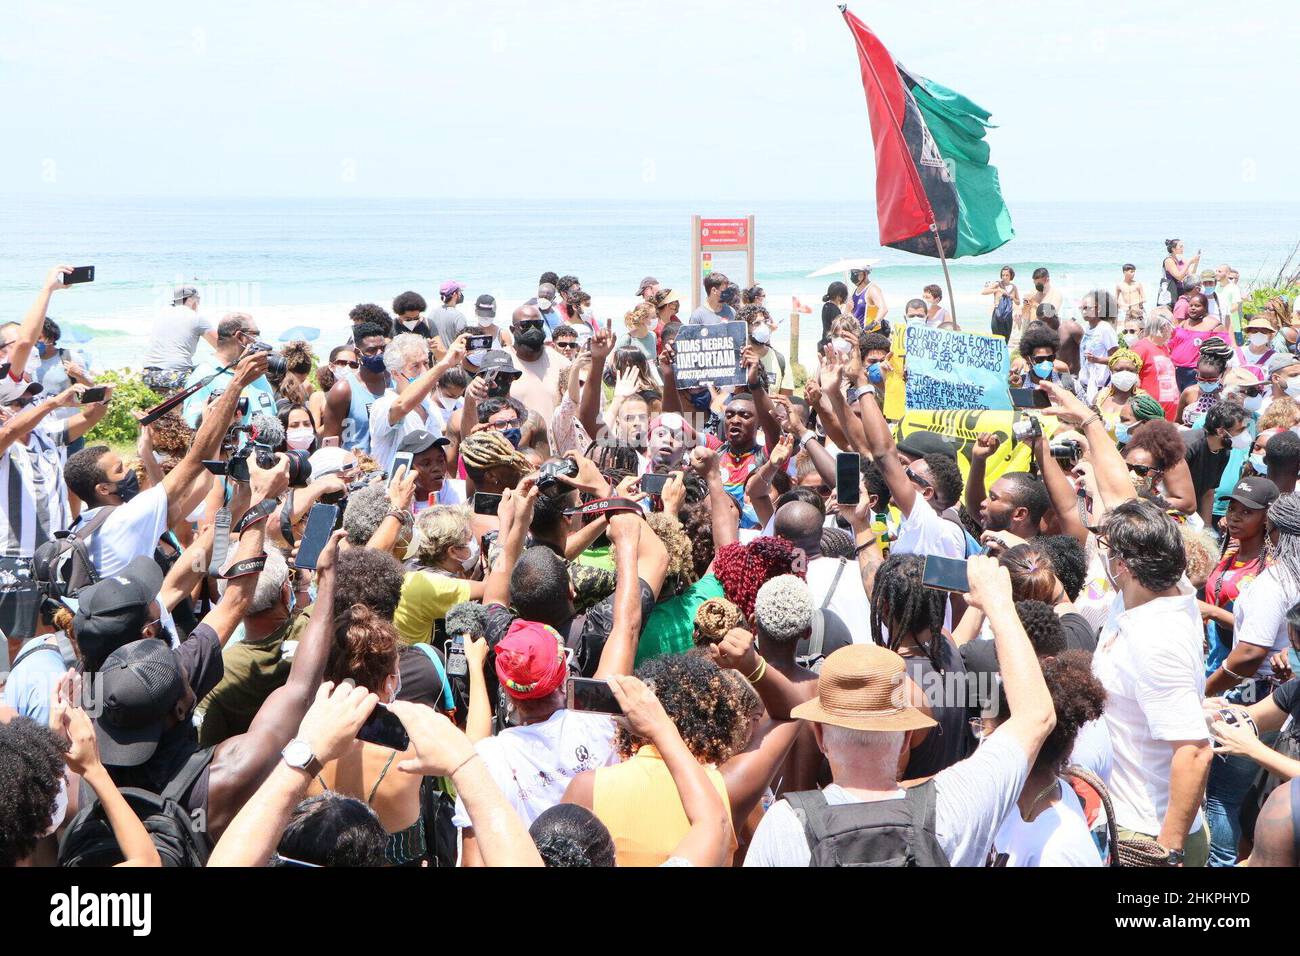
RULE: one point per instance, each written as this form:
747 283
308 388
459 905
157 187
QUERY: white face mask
300 439
1259 339
1124 381
1242 440
1293 387
60 808
470 562
761 334
1252 404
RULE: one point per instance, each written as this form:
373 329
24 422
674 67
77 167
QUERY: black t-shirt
1287 697
951 740
1206 465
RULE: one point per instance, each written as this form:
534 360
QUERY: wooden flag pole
947 279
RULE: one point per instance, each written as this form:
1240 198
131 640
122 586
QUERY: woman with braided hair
744 568
907 618
1112 402
1197 399
1246 675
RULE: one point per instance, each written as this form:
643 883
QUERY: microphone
468 619
267 430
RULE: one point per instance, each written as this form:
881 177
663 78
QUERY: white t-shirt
925 532
1056 837
533 764
849 600
131 531
384 438
1092 749
972 797
1149 660
1259 614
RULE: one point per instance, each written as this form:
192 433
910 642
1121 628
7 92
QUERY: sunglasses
1143 470
566 346
913 476
341 363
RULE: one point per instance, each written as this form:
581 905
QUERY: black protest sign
710 354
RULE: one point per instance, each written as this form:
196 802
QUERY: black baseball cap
922 443
420 441
498 360
139 685
1255 493
114 610
485 307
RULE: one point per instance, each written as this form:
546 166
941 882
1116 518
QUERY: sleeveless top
358 436
639 805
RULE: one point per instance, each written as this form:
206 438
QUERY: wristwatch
1175 857
297 754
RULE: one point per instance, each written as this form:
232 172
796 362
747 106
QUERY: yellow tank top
638 803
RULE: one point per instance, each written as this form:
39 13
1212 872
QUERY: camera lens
276 365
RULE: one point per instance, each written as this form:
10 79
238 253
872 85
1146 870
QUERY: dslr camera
236 466
548 476
275 364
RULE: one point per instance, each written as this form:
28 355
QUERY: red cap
530 660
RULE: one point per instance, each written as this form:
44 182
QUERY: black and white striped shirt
35 495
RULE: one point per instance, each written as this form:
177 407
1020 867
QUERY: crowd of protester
530 510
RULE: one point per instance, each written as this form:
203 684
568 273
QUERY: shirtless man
1043 293
1129 292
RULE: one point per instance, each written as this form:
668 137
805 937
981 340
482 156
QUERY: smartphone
79 274
590 694
476 343
848 478
384 729
400 459
331 442
320 525
485 504
1030 398
92 395
653 484
457 664
944 574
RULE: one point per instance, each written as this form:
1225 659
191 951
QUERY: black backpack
876 833
89 840
64 560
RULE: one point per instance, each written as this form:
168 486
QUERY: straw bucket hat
860 688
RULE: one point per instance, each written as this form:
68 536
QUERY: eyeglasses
341 363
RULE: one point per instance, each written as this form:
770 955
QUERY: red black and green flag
932 163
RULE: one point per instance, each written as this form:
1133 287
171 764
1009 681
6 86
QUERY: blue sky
632 100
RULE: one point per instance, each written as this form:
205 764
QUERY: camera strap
262 509
244 568
602 506
286 519
167 404
220 542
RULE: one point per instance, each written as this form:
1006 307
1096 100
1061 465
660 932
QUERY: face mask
60 808
513 435
1044 369
1121 433
761 334
397 689
531 338
41 349
471 562
1253 404
1039 286
1105 567
1292 387
1259 339
1257 462
129 486
373 363
451 404
1124 381
300 439
1241 441
1207 387
476 357
874 375
701 400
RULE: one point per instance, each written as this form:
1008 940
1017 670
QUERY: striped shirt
36 497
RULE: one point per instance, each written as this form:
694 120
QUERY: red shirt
1157 377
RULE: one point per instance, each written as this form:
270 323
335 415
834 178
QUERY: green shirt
670 629
252 671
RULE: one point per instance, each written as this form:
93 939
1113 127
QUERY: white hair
783 608
1157 323
847 739
269 583
403 349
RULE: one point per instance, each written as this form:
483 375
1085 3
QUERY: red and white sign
724 233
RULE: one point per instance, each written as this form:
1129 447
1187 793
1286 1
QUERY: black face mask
531 338
1040 286
129 486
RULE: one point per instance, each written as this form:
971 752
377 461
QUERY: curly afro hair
1161 440
1042 626
709 711
698 524
567 835
171 436
1038 335
364 648
947 478
1069 561
31 769
298 357
743 568
369 577
681 564
1077 696
369 312
874 342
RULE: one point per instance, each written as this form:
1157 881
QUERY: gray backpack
876 833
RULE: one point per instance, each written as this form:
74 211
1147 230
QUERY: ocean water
304 262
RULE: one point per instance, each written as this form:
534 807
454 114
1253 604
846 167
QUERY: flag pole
947 279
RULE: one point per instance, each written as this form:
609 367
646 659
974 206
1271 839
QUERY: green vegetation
119 427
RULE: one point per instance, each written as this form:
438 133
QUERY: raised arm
410 398
722 511
626 532
602 343
763 410
879 444
29 331
986 443
1065 499
189 476
89 416
1113 483
668 371
28 418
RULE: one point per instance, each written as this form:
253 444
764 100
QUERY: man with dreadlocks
908 618
1245 677
491 463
